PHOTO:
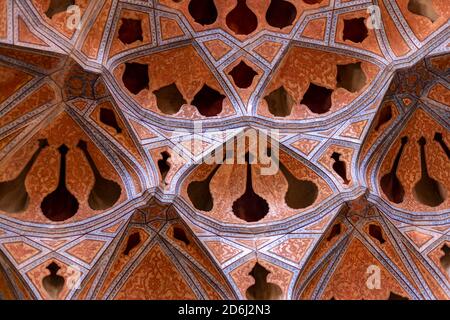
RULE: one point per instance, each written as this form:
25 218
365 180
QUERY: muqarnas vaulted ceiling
99 201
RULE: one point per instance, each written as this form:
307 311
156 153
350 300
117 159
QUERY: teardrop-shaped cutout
135 77
61 204
280 102
317 99
169 99
250 206
53 283
105 193
130 31
340 167
57 6
423 8
355 30
376 233
180 234
241 19
108 117
261 289
208 101
14 197
243 75
440 139
204 12
133 241
350 77
312 1
280 14
164 165
384 116
390 183
427 190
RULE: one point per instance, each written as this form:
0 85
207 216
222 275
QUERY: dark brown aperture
130 31
208 101
317 99
390 184
440 139
394 296
261 289
334 232
57 6
445 259
133 240
169 99
250 206
204 12
312 1
280 102
180 234
241 19
61 204
427 190
135 77
53 283
108 117
280 14
14 197
164 165
375 232
355 30
340 167
300 193
243 75
384 116
350 77
423 8
105 193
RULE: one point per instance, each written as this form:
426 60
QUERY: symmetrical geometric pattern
103 196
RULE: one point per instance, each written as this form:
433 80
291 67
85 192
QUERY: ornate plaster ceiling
99 198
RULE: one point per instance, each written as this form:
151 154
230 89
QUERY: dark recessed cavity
133 241
394 296
445 259
169 99
208 101
180 234
390 183
280 102
250 206
281 14
355 30
14 197
423 8
340 167
384 117
53 283
334 232
135 78
164 165
130 31
440 139
312 1
243 75
317 99
261 289
350 77
105 193
204 12
427 190
57 6
108 117
376 233
301 193
61 204
241 19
